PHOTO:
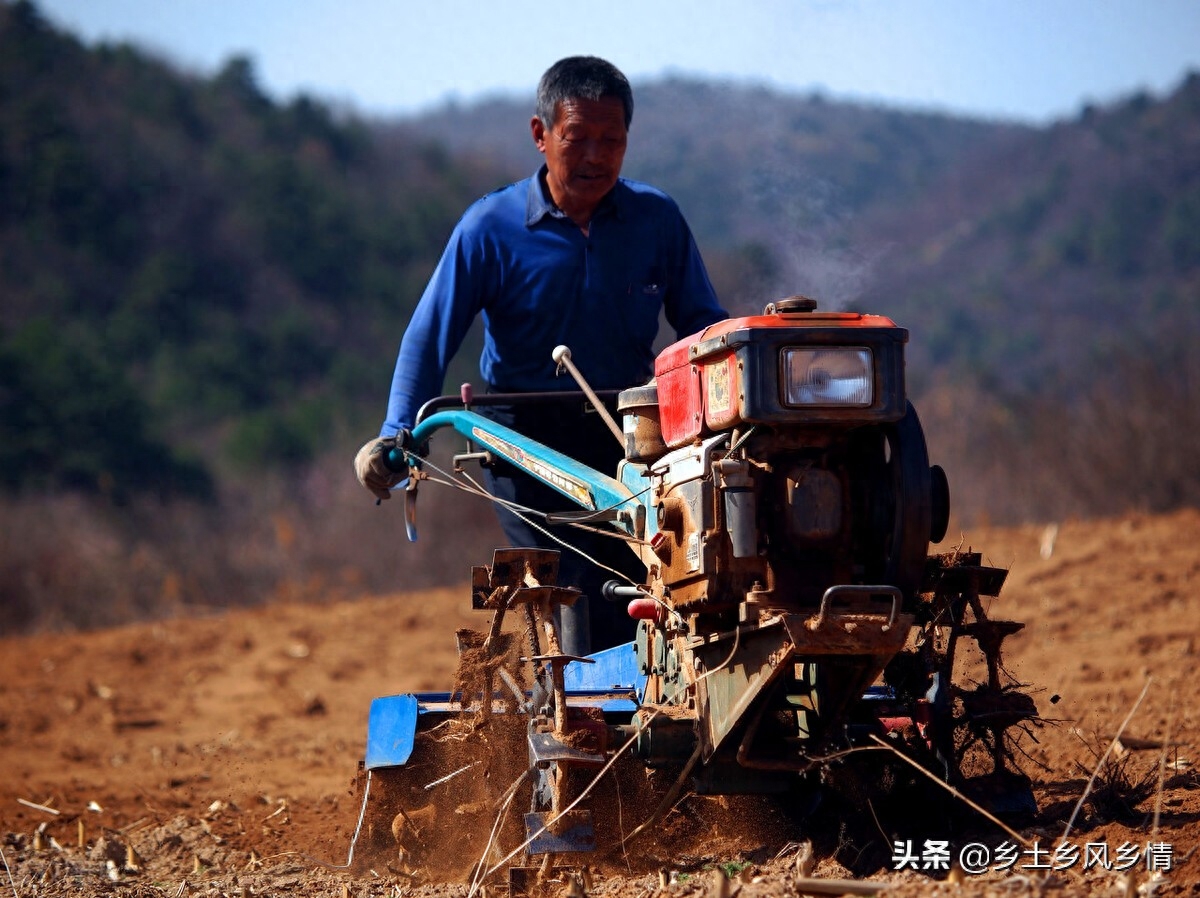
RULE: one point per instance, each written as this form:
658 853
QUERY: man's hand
371 465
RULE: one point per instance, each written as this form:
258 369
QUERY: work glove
371 464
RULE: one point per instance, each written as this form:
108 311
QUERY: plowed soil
218 755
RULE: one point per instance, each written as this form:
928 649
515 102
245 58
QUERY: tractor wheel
907 462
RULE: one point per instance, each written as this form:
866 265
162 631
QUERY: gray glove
371 465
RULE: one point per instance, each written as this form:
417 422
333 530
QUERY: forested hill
730 153
194 278
1050 255
1014 254
198 281
1052 286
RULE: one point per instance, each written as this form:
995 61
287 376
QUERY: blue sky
1032 60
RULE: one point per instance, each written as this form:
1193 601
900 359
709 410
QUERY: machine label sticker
716 379
562 481
693 552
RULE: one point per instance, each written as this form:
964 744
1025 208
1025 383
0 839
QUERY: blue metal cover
392 722
391 729
614 670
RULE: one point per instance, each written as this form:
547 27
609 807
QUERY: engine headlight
840 376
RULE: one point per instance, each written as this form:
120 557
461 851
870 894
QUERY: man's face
584 151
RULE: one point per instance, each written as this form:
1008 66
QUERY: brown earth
218 755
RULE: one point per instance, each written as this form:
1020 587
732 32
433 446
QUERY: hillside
202 289
1052 285
769 181
221 749
1055 250
752 150
195 278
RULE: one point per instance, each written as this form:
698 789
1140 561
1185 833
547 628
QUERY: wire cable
526 514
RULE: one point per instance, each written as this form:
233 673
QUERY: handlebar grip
615 591
395 460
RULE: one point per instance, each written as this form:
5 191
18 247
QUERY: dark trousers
592 623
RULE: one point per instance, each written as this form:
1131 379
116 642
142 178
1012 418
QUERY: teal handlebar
585 486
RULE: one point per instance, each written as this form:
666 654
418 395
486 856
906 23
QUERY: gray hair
581 78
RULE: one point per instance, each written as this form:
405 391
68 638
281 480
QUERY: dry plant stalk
505 801
1099 764
838 886
9 874
990 816
1118 790
1162 765
45 809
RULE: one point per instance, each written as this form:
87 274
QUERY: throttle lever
410 509
562 357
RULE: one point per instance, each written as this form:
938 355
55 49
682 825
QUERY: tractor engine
782 457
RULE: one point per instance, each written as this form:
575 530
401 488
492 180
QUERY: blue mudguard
391 730
613 684
615 671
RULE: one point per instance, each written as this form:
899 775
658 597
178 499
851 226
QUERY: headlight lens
839 376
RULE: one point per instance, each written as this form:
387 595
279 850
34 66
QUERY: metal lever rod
562 358
615 591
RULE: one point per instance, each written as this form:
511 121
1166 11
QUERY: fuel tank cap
791 304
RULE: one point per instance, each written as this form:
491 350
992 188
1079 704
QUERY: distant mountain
202 291
1030 235
768 181
1049 277
1042 256
199 282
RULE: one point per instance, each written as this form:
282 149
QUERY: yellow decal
574 488
716 379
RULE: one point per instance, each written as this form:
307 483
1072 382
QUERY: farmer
573 255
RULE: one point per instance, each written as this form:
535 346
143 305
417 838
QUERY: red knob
646 609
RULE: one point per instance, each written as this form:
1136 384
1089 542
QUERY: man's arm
444 314
694 305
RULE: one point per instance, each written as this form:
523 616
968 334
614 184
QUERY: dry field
216 756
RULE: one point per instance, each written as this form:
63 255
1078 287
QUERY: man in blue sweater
575 256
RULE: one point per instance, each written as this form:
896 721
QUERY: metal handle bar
546 396
837 592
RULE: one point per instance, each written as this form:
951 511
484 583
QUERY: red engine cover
703 381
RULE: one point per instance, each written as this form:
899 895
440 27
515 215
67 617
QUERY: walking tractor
776 486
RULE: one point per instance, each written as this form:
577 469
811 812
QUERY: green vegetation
72 421
207 255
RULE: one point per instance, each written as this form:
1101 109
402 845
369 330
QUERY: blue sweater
539 282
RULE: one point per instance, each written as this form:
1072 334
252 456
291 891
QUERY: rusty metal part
991 714
739 672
